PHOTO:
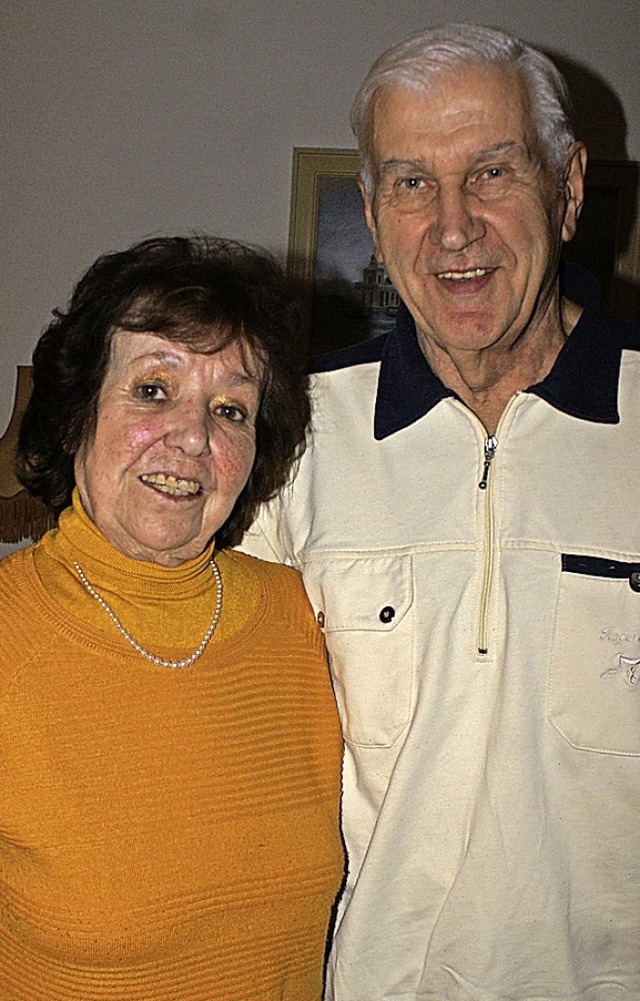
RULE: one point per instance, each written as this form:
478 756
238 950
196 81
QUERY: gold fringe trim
23 517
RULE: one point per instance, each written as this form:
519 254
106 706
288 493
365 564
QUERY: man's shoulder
625 332
582 287
629 333
363 353
344 386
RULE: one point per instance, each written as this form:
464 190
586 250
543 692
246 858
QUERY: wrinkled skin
469 220
173 448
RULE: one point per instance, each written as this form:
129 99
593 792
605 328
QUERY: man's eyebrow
508 147
390 165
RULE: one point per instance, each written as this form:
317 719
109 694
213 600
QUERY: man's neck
486 380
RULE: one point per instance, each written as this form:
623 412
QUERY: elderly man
466 520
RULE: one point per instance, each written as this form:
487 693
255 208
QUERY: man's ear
370 218
574 174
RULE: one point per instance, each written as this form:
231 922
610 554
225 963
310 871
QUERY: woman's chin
166 544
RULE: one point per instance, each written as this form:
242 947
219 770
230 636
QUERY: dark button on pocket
387 614
634 580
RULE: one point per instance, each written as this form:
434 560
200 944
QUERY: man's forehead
476 102
494 86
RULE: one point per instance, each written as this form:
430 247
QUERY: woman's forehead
141 347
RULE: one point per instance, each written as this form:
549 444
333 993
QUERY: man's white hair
416 61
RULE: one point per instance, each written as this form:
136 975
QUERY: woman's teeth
171 484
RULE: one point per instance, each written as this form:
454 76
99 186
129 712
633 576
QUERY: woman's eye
151 391
230 412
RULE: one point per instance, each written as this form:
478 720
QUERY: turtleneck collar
78 539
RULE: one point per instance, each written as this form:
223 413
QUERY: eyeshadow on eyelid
152 373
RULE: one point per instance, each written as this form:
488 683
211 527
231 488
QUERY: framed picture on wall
348 297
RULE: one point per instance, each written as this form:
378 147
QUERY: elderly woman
169 749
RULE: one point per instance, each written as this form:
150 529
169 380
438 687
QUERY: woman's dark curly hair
200 291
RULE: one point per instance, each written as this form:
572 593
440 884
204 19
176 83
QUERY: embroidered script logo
628 668
611 635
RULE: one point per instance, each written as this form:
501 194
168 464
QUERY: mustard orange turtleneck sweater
164 834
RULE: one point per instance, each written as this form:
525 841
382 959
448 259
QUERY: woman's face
173 447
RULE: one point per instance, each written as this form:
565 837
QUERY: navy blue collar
583 382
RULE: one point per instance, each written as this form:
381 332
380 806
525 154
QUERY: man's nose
191 428
456 223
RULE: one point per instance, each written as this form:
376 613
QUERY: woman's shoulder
19 612
271 574
15 570
282 597
19 590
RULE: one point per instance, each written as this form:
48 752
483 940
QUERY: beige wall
125 118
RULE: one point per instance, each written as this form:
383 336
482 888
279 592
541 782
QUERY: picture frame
328 244
329 249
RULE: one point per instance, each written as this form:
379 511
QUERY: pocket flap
365 593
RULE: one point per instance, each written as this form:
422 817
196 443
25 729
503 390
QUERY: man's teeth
171 485
458 276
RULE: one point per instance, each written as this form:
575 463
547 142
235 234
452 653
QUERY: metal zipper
490 448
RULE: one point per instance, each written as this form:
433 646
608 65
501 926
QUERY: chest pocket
594 679
365 606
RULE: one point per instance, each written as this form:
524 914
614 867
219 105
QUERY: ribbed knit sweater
164 834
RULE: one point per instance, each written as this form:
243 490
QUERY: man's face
466 216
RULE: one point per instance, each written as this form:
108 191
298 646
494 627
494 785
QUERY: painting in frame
347 296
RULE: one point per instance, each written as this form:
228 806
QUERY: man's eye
411 183
493 174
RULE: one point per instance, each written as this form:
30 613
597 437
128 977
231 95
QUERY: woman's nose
190 429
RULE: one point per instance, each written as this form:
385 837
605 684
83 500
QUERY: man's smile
458 276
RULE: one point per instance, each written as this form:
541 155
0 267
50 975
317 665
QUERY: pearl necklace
137 646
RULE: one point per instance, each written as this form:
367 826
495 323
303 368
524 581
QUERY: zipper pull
490 446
